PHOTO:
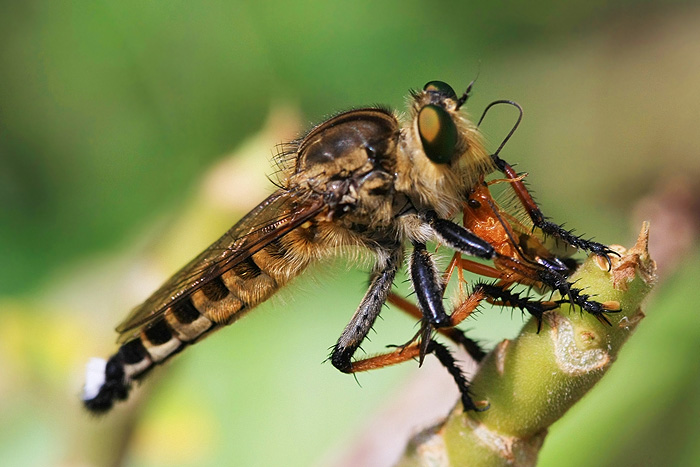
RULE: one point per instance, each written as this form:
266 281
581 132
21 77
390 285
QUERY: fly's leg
540 221
429 288
342 356
361 322
415 350
527 269
465 308
445 357
457 237
428 282
425 282
365 315
501 295
454 334
559 282
426 345
576 296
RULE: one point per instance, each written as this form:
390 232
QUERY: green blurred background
118 119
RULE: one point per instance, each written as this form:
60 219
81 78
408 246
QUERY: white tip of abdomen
94 377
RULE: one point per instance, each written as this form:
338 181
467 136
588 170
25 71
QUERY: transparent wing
280 213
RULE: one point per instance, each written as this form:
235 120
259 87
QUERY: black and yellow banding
186 321
219 302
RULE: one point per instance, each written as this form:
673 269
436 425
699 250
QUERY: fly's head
350 160
441 154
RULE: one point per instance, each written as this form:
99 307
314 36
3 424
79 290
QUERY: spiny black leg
470 345
559 282
541 222
458 238
429 288
515 299
448 361
367 312
427 283
557 231
456 335
591 306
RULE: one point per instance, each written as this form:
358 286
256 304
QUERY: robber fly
361 179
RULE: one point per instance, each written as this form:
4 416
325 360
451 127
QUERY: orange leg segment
399 355
465 308
479 268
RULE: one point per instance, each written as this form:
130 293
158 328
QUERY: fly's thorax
352 141
350 160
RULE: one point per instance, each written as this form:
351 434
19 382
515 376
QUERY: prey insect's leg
454 334
447 275
514 299
479 269
363 319
540 221
499 294
414 350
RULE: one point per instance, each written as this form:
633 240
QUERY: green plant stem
530 382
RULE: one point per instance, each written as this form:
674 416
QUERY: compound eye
441 88
474 204
438 133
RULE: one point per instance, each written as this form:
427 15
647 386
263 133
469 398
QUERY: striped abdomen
219 302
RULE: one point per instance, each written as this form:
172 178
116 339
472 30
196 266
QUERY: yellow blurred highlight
176 436
38 345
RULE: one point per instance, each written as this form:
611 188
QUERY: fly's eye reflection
438 133
441 88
